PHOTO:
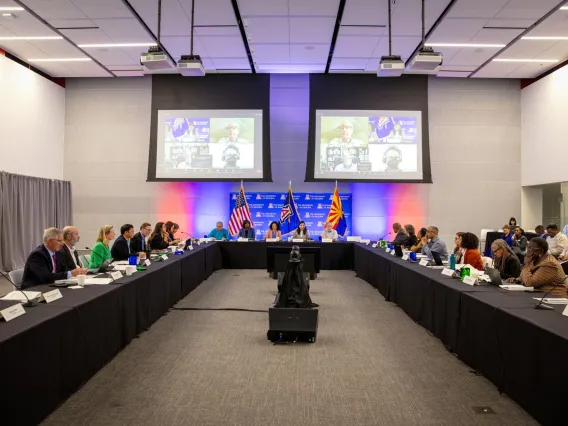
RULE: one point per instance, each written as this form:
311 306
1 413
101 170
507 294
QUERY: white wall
545 130
474 144
32 116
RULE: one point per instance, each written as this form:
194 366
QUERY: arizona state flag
336 215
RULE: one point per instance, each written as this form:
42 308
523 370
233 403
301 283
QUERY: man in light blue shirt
220 233
431 243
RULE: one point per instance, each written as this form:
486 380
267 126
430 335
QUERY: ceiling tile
123 30
308 54
291 68
364 12
218 31
527 9
349 63
314 7
456 30
25 25
88 36
311 30
476 8
401 46
555 25
495 36
268 30
211 12
456 74
263 8
231 63
271 53
55 9
527 48
224 47
103 8
497 70
530 70
129 73
113 57
511 23
71 23
470 57
363 31
178 46
355 46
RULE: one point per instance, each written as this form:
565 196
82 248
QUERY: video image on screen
368 145
209 144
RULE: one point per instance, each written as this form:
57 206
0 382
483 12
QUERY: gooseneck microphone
540 304
29 303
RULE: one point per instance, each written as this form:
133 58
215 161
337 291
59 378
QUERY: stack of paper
553 300
516 287
98 281
20 297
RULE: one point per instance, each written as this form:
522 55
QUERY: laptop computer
437 259
494 276
105 267
398 250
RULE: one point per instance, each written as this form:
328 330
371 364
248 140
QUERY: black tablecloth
252 255
492 236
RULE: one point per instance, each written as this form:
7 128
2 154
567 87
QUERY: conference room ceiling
288 35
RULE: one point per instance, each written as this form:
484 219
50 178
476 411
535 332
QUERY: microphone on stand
541 305
29 303
384 236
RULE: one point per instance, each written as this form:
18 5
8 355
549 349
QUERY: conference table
50 352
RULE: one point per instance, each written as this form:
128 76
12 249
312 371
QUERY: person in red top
470 243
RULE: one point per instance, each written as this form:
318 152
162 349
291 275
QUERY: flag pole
336 184
241 183
290 183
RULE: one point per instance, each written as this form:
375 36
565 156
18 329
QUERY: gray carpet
371 365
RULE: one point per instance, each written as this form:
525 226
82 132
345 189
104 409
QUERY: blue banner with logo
313 207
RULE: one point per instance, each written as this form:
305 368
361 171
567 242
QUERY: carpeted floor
371 365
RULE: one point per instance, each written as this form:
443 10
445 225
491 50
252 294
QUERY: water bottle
464 272
453 261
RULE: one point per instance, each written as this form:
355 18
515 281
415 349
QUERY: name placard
116 275
50 296
565 311
271 240
393 252
190 248
469 280
327 240
242 240
297 240
405 257
147 262
447 272
165 257
12 312
374 245
423 262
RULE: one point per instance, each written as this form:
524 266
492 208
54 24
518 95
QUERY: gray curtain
28 205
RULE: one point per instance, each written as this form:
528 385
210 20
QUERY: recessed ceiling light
15 38
59 60
544 38
8 15
10 9
87 46
564 8
463 45
526 60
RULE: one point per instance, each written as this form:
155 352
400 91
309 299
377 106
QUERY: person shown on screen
191 134
373 137
329 232
301 232
246 231
233 130
273 231
347 165
345 139
397 134
392 158
231 154
177 156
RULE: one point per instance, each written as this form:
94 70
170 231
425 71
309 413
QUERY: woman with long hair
273 231
504 260
101 251
159 239
471 256
301 232
458 250
411 239
171 229
417 248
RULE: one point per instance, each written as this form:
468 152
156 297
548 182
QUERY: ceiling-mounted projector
156 60
390 66
426 61
191 66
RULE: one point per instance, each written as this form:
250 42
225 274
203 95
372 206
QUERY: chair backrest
484 232
16 276
86 260
487 261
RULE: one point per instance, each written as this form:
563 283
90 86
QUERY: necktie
77 258
54 262
143 241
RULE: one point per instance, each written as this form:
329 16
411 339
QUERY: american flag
240 213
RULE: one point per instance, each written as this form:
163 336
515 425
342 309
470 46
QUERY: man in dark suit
70 239
121 249
46 263
138 243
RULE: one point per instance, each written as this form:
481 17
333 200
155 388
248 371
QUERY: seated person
411 240
46 264
121 249
541 232
301 232
70 239
432 243
471 256
520 242
159 237
273 231
542 271
171 229
556 240
417 248
246 231
347 164
219 233
100 251
458 250
504 260
513 223
138 243
400 236
329 232
507 235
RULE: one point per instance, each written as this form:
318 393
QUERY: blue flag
289 216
